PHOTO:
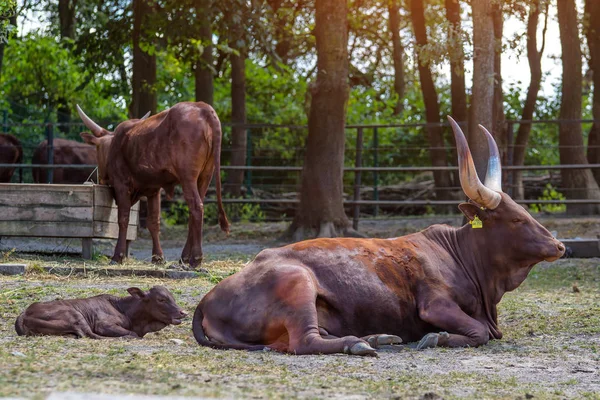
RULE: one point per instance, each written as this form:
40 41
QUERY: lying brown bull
11 152
65 152
103 316
179 145
440 285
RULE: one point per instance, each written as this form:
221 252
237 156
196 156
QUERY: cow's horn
469 180
145 116
96 129
493 177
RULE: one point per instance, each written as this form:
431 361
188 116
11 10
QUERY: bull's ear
89 138
471 210
136 292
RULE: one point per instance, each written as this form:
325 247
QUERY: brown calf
11 152
65 152
103 316
179 145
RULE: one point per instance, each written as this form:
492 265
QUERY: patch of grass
549 332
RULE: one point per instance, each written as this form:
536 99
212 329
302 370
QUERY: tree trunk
398 54
143 97
203 70
235 179
321 209
578 183
535 66
66 17
437 153
482 100
592 25
457 63
498 128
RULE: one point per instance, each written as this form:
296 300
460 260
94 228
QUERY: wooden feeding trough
62 211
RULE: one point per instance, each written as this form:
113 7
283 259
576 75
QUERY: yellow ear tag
476 223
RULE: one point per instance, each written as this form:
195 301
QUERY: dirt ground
550 349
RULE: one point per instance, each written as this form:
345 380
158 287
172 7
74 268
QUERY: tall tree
498 118
203 66
397 54
482 100
534 56
238 42
457 62
437 152
143 82
12 21
321 208
592 30
578 183
66 17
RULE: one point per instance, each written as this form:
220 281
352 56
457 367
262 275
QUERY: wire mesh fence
387 167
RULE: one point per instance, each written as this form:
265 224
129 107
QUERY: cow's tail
204 341
19 325
215 126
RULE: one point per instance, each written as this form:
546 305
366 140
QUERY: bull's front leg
461 329
194 242
124 207
153 225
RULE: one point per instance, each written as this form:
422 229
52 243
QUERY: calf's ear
89 138
471 210
136 292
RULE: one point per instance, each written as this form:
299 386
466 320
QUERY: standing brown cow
65 152
440 286
179 145
11 152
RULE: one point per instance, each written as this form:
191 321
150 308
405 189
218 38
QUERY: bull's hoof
382 340
114 262
431 340
363 349
158 260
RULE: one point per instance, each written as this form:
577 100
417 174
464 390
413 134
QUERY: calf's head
508 229
102 139
160 304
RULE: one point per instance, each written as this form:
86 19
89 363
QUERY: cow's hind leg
153 225
301 322
194 202
374 341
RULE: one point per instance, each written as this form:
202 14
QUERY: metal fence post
248 161
357 177
50 138
375 173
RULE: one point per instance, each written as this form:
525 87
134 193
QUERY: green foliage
179 213
7 10
550 193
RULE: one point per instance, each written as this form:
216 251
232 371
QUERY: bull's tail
19 325
215 126
204 341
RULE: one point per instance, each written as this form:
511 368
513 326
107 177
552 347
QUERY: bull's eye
162 300
516 220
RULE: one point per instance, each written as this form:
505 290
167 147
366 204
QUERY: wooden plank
103 197
109 230
45 187
42 213
87 248
46 229
40 196
106 214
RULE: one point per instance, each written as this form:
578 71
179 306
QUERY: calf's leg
194 242
153 225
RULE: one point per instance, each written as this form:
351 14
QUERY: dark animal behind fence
67 152
103 316
11 152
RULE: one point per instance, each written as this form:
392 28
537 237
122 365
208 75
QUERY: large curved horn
469 180
96 129
493 176
145 116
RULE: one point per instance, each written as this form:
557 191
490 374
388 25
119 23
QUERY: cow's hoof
114 262
431 340
158 260
363 349
383 340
